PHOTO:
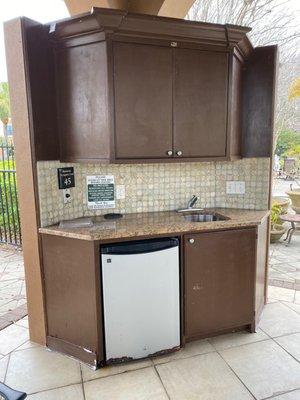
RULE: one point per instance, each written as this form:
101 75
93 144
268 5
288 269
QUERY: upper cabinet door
81 75
200 103
143 101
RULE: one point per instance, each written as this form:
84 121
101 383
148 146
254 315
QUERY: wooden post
20 97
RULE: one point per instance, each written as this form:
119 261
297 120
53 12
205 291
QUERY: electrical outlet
120 192
230 187
240 187
67 196
235 187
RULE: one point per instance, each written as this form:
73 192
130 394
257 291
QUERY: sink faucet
192 201
190 205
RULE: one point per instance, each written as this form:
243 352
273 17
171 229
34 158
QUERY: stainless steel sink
205 217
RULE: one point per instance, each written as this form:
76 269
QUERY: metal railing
10 231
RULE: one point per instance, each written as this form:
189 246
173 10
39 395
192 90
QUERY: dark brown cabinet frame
73 298
75 122
114 143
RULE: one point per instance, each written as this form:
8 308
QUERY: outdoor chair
7 393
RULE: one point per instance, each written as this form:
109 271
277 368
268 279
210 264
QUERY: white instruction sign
100 191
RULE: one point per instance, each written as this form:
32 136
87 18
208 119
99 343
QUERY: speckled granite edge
156 223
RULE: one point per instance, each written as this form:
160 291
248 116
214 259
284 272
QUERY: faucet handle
192 201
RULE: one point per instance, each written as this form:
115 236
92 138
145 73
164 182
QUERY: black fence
10 231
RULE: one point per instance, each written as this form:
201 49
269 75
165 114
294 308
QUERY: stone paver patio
284 264
236 366
12 286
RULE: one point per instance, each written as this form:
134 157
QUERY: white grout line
289 306
280 394
274 340
4 379
243 344
281 302
51 389
287 351
82 383
118 373
161 381
184 357
232 370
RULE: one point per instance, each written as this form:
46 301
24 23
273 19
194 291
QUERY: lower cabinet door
219 280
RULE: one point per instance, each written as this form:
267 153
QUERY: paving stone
264 367
143 384
291 343
278 320
37 369
12 337
205 377
279 293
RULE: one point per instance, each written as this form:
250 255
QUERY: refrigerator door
141 302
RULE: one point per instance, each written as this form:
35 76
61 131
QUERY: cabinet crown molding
119 22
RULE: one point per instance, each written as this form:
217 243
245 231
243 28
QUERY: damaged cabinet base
222 275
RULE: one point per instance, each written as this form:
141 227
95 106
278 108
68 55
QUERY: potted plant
294 195
284 203
277 229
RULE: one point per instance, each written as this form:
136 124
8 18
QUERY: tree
4 105
287 141
294 91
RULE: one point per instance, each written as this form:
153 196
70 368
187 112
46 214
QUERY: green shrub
276 211
9 215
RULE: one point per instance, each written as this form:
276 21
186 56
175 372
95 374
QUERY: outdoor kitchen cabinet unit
138 88
222 274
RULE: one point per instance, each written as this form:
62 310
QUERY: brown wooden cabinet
169 102
223 277
111 86
134 88
219 281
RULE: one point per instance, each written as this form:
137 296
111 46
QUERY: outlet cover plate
120 192
235 187
67 196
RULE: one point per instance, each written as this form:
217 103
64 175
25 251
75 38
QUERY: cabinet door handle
179 153
191 241
169 152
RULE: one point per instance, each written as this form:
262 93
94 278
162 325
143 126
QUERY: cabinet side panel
258 102
235 120
261 266
219 281
41 90
71 292
83 101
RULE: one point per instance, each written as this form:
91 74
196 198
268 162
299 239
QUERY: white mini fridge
141 292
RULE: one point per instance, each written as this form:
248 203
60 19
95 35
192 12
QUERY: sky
38 10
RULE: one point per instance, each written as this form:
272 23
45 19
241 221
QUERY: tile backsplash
156 187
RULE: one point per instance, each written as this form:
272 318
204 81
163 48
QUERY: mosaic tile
155 187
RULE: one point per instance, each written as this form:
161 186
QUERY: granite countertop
156 223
